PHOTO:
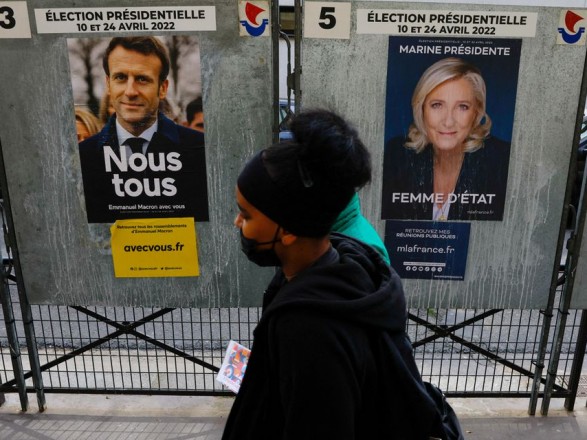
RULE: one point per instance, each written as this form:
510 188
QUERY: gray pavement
107 417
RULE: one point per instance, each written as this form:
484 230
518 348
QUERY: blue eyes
438 105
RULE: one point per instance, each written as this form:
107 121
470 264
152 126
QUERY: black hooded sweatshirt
330 357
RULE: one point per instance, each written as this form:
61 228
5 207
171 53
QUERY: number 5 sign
327 20
14 20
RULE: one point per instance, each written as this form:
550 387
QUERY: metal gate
467 352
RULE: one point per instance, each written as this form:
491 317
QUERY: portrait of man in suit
142 164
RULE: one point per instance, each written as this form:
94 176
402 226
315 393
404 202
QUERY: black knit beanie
307 209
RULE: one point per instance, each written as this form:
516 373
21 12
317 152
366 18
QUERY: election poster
448 127
139 120
154 248
428 250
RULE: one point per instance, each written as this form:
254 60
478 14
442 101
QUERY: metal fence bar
541 356
441 332
238 330
123 331
35 373
275 29
565 301
577 363
130 364
128 329
25 308
577 222
448 332
13 345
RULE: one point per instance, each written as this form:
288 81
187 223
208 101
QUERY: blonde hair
449 69
86 117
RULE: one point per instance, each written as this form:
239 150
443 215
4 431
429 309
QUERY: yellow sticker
154 247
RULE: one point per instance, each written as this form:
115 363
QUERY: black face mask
264 257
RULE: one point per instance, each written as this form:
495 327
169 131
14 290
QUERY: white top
147 135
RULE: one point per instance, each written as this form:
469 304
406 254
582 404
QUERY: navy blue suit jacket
484 172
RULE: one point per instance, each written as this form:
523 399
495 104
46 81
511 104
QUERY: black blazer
107 201
479 192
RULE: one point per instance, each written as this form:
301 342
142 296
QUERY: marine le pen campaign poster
431 117
446 98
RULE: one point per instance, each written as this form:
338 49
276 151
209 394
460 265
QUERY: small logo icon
570 33
253 24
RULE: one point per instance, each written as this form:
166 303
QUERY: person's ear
163 89
287 239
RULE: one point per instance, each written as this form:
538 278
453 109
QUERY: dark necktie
135 144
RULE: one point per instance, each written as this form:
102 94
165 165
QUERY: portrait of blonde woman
449 166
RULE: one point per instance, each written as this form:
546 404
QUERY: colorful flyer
154 248
448 127
428 250
234 366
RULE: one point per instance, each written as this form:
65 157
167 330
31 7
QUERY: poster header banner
446 23
116 20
